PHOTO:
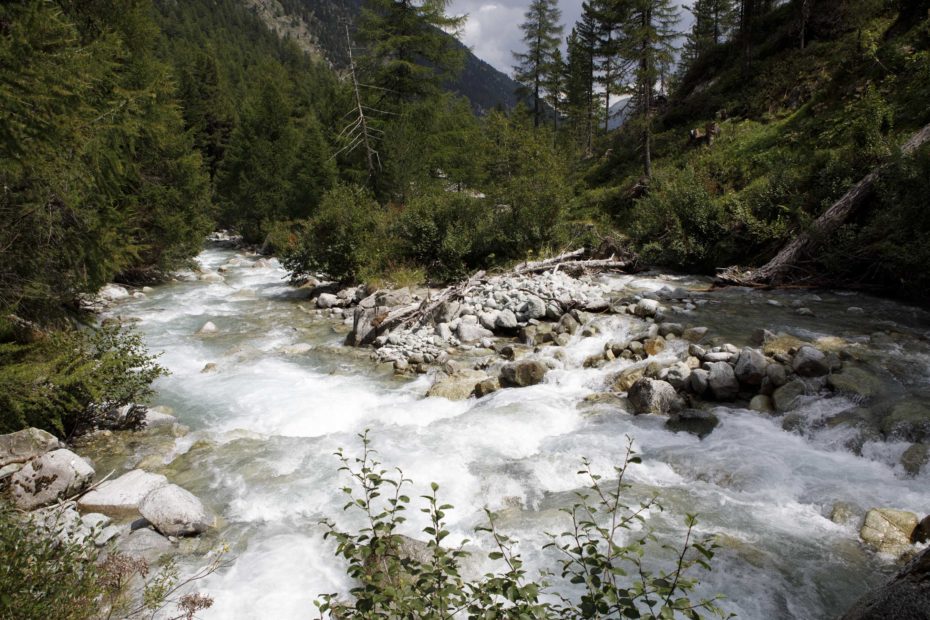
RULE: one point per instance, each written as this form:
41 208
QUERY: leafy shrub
42 577
446 232
72 382
343 239
609 579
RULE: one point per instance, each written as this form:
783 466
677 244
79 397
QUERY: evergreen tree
541 35
713 21
606 19
408 53
649 37
278 164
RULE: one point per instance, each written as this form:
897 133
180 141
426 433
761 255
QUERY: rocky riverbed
794 423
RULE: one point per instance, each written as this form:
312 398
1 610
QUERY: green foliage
42 577
343 239
277 166
397 577
446 232
73 382
407 53
537 67
100 177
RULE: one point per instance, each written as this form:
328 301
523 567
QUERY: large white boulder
50 477
25 445
174 511
122 495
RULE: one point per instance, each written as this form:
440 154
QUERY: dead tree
358 132
779 269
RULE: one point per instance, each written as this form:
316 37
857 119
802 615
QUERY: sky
493 27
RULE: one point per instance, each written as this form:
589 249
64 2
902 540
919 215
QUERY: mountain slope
318 27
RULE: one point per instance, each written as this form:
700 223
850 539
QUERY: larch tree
541 36
713 21
648 43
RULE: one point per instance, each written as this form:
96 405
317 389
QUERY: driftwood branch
781 267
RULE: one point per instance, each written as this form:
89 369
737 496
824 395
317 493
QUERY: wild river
264 425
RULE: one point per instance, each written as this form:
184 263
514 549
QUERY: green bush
72 382
446 232
343 240
397 578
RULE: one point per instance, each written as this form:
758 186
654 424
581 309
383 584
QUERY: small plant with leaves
399 577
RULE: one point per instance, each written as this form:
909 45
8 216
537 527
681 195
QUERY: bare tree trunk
779 268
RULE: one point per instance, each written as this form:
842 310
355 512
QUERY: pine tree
606 19
408 51
541 35
648 42
713 21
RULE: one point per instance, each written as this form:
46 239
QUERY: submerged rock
698 422
52 476
457 386
906 597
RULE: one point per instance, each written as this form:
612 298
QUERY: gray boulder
810 362
122 495
722 380
50 477
457 386
533 308
906 597
470 333
888 531
146 544
523 373
327 300
786 397
646 308
679 375
762 404
174 511
653 396
505 320
699 380
750 366
25 445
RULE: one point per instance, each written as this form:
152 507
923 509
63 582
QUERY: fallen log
780 268
543 265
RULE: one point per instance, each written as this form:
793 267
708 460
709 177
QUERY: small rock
208 328
209 367
327 300
722 381
458 386
695 421
888 531
694 334
700 381
646 308
487 386
506 320
653 396
762 404
523 373
654 346
627 377
914 458
750 366
786 397
843 513
470 333
810 362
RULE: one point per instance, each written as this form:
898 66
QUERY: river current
266 422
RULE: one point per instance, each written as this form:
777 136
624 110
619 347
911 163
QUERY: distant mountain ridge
318 27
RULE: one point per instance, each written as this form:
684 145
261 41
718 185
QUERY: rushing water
265 424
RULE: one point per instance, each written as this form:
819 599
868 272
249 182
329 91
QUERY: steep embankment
797 128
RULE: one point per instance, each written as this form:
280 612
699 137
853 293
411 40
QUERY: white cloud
493 28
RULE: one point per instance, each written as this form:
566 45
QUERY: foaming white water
269 417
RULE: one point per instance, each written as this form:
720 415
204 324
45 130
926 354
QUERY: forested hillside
803 106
